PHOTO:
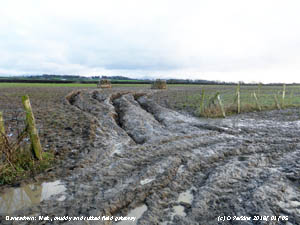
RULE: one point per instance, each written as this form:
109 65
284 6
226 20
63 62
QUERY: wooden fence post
2 129
202 102
31 128
283 95
276 102
257 103
221 105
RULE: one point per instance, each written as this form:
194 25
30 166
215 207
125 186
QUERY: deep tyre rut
179 169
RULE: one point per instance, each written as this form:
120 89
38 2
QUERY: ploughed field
126 152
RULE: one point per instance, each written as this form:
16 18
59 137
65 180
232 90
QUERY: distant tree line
49 78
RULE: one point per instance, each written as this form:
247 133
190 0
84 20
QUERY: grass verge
21 164
191 100
17 160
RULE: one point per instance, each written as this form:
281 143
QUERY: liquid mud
14 199
185 170
136 213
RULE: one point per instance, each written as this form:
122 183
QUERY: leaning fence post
283 95
276 102
256 100
30 122
2 128
2 132
221 105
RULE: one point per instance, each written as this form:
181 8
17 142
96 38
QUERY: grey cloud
175 38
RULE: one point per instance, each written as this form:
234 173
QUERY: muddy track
182 170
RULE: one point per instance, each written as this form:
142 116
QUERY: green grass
131 85
113 80
9 85
22 164
265 96
187 97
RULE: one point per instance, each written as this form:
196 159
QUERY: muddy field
125 153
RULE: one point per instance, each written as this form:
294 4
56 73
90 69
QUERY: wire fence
15 133
251 98
15 122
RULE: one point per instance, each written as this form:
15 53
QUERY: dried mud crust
140 152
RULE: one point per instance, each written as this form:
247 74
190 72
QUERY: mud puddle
14 199
139 151
135 213
184 200
186 197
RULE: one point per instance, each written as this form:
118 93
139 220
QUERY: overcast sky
232 40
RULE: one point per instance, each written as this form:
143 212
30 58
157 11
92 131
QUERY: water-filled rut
178 169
